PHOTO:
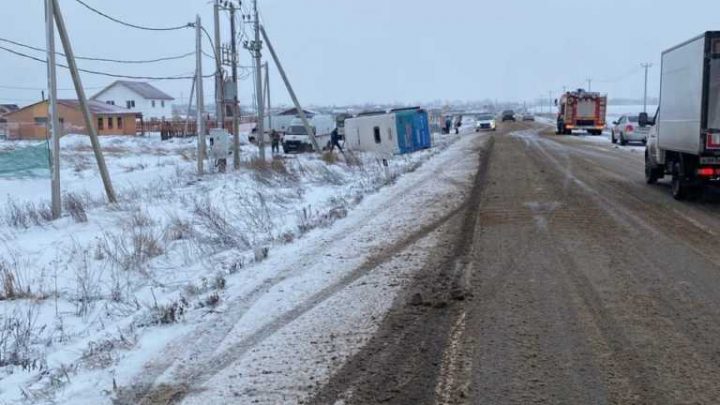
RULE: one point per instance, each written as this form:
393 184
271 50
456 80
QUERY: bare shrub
178 229
15 216
16 334
75 206
220 232
87 281
308 219
329 157
210 301
13 284
255 213
218 282
168 314
130 250
99 355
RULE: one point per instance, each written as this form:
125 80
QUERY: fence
25 161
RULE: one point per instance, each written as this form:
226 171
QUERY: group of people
276 139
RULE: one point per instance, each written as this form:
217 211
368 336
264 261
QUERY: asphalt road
564 279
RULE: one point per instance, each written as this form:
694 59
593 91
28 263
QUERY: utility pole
550 102
290 90
187 116
200 103
219 99
56 205
256 48
646 66
267 93
236 104
82 99
589 85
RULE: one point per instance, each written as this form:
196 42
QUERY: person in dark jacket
335 141
275 137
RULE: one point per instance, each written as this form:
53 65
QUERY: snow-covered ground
86 300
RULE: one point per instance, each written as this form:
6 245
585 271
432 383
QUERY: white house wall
121 94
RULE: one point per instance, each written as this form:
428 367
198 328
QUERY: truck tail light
712 140
629 128
706 172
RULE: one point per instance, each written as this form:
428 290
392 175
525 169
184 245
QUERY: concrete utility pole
267 93
70 56
550 101
646 66
187 116
219 99
200 103
53 119
256 48
236 104
290 90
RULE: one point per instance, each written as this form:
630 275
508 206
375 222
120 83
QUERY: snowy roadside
88 299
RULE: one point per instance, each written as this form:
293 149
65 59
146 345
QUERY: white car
627 129
485 122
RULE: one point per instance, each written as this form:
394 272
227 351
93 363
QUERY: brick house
30 122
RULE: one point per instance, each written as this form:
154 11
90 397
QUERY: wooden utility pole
82 99
290 90
219 99
53 119
236 104
200 103
257 48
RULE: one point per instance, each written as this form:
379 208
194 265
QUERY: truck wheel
680 188
651 171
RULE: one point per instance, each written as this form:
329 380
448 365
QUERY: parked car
628 129
528 117
485 122
508 115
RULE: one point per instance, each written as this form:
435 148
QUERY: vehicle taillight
712 140
629 128
706 172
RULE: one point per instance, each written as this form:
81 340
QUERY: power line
167 58
140 27
95 72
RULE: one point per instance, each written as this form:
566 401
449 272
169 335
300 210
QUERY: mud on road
564 279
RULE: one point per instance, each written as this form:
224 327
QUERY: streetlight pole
646 66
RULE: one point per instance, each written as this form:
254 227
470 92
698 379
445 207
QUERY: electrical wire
95 72
34 48
140 27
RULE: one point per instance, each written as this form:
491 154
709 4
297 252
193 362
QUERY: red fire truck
581 110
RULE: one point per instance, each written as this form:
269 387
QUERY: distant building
139 97
30 122
8 108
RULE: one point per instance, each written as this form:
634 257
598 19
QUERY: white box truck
684 140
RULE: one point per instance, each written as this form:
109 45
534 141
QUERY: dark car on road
508 115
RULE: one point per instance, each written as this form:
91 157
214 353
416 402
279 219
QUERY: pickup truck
684 138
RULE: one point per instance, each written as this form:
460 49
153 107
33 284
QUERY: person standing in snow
275 137
335 141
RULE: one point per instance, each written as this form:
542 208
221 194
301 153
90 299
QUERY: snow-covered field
87 299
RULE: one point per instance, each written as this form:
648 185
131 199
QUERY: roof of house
294 111
9 107
96 107
143 89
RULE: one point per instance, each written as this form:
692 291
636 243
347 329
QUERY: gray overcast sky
343 51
